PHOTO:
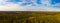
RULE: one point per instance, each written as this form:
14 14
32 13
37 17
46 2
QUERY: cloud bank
10 6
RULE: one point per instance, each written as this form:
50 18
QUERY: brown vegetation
30 17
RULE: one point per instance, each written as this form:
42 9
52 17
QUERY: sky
29 5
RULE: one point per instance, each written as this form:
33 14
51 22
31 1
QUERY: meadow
29 17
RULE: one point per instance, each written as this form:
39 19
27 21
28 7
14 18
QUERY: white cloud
11 7
17 7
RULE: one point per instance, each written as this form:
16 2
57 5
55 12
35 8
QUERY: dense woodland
29 17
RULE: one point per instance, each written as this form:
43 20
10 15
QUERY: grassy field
30 17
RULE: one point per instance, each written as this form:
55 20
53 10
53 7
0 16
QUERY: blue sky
14 0
38 1
14 5
55 1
